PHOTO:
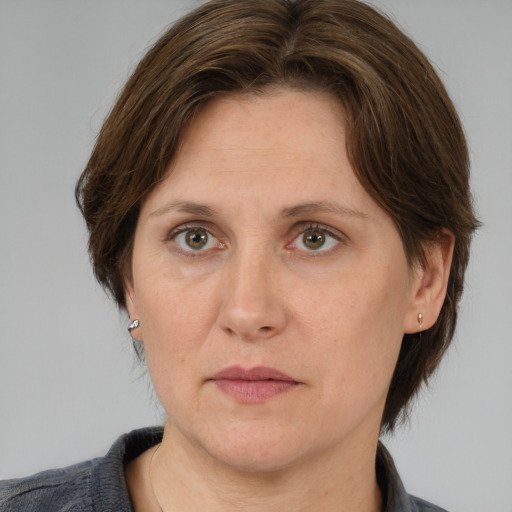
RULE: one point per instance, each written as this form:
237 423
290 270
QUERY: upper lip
256 373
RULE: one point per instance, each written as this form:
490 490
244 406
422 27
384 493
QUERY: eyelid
302 227
189 226
297 230
208 226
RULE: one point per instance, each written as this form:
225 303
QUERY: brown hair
404 138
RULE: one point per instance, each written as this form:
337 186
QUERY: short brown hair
404 138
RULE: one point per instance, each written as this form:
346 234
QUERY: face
273 292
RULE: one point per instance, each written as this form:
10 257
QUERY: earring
420 321
134 325
138 345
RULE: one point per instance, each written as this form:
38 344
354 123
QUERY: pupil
197 239
314 239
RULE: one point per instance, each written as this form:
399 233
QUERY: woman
280 201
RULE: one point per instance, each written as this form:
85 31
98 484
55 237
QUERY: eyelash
184 228
298 230
325 230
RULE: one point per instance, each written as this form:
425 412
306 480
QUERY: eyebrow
299 210
322 207
185 207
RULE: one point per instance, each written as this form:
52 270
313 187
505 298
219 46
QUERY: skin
321 293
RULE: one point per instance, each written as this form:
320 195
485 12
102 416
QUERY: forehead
286 146
280 119
250 133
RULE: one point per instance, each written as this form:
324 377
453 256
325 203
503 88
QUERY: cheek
357 321
177 313
176 317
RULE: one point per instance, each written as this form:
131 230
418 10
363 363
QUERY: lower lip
254 391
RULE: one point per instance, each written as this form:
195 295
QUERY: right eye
196 239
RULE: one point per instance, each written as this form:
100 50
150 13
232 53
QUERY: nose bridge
250 307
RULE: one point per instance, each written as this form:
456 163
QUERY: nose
252 306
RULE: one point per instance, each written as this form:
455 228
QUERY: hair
404 138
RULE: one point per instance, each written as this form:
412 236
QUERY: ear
430 282
131 306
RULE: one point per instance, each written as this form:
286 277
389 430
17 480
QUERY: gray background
68 384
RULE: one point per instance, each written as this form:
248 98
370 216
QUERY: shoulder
419 505
54 490
97 485
396 499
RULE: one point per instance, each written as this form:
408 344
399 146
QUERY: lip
253 385
256 373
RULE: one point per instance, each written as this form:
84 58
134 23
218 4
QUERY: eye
196 239
316 239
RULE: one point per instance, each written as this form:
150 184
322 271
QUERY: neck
185 478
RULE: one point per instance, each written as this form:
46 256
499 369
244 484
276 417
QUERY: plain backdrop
68 382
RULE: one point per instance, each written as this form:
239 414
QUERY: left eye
196 239
315 239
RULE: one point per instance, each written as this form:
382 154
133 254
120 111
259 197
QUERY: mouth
254 385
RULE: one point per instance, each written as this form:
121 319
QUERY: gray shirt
99 485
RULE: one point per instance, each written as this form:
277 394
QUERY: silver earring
420 321
134 325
